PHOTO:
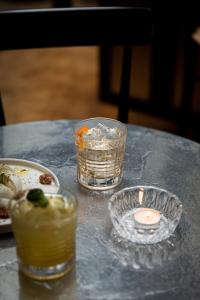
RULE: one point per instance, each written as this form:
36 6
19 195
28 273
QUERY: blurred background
80 82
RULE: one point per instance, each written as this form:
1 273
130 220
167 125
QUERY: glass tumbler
100 144
45 236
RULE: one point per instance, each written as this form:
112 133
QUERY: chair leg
125 85
105 71
2 117
191 52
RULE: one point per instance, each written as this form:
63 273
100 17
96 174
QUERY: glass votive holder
145 214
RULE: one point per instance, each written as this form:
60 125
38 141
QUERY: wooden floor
51 84
58 83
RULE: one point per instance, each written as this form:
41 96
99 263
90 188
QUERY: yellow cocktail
45 235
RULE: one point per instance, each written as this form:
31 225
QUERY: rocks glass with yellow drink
44 227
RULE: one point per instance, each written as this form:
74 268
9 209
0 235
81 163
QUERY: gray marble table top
104 271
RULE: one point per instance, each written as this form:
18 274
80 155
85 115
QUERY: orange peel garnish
79 136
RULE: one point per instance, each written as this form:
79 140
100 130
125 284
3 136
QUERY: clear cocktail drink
45 236
100 144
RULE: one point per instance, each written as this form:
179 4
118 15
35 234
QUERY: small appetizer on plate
9 178
10 185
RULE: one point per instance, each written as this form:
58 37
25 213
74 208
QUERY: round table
104 268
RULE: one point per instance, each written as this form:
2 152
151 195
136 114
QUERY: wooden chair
61 27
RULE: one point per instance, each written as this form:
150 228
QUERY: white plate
30 179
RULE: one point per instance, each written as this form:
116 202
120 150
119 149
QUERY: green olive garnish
37 197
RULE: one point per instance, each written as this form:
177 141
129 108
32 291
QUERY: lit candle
147 216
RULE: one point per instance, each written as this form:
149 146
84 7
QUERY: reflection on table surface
142 257
47 290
